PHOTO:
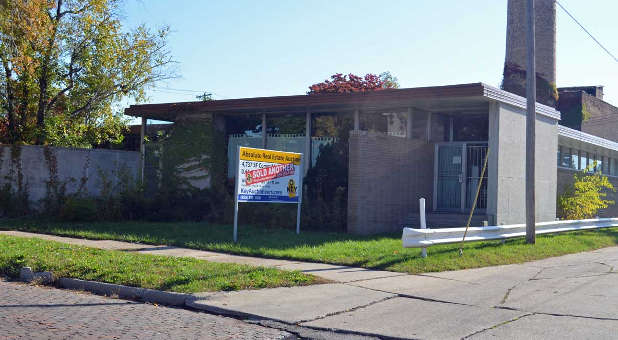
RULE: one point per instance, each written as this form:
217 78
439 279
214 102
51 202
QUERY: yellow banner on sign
261 155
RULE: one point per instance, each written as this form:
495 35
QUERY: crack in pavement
497 325
557 314
574 277
445 278
346 311
508 291
578 316
415 297
374 278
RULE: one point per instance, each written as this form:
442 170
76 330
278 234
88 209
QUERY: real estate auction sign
268 176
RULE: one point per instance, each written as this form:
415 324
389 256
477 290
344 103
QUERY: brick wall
565 178
387 175
603 120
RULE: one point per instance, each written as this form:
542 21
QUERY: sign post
268 176
300 193
236 197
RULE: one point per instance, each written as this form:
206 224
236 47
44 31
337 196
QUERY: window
574 159
566 158
470 128
583 160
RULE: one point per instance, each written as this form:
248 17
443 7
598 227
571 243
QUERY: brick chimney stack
515 60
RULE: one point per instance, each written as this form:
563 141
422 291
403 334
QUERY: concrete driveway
569 297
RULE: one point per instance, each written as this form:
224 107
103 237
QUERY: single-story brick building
432 144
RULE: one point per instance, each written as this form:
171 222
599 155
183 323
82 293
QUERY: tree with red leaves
351 83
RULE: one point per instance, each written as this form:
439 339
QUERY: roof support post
428 127
409 122
264 128
307 159
356 120
142 149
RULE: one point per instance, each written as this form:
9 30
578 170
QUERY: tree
66 64
586 196
351 83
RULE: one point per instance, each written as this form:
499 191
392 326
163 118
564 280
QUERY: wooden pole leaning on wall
476 197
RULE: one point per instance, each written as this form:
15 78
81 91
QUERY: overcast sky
255 48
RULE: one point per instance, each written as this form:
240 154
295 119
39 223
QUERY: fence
34 168
421 238
282 142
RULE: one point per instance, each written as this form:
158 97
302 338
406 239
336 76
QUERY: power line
183 91
587 32
179 90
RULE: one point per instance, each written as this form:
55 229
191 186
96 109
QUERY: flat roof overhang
577 139
462 97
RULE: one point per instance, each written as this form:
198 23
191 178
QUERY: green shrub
13 203
78 209
586 196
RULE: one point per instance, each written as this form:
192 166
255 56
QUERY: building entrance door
449 171
457 171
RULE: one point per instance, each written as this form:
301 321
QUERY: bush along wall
185 179
586 195
185 173
14 200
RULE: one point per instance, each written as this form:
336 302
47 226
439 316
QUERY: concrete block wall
507 166
73 166
565 179
386 177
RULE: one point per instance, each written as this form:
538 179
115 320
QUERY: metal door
475 158
450 177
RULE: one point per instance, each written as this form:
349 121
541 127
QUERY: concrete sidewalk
569 297
335 273
572 296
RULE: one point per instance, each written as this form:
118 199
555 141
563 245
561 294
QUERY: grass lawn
379 252
147 271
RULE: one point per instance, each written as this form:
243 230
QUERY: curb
187 301
192 303
126 292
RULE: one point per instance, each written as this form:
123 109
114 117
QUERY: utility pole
530 124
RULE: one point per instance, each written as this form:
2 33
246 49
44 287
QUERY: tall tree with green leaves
66 64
